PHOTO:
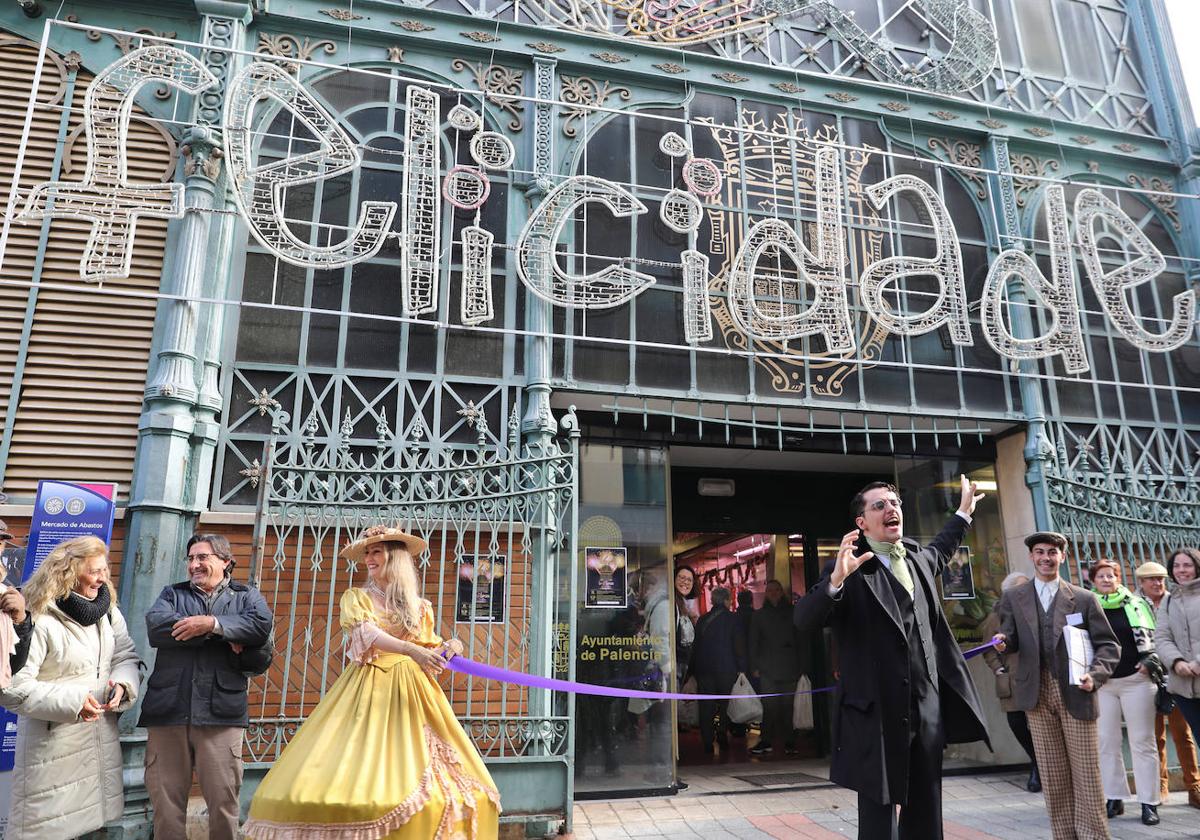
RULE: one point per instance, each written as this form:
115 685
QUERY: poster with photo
480 591
957 582
606 580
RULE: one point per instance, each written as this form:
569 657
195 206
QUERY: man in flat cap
1062 716
1152 580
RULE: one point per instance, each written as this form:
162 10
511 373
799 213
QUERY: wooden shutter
87 349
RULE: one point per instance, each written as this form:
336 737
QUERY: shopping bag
802 711
689 710
744 707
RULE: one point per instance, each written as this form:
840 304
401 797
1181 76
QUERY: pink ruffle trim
445 771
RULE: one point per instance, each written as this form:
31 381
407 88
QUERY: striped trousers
1068 757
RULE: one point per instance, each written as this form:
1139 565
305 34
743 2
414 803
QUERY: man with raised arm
903 690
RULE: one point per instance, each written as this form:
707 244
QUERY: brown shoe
1194 798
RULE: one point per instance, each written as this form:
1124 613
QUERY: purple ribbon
462 665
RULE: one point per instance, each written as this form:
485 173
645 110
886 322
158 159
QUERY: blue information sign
62 511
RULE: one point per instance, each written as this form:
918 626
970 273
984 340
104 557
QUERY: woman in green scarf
1130 692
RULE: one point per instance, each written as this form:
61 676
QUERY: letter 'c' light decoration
259 191
538 266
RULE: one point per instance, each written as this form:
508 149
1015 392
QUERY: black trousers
921 815
1019 725
777 712
710 709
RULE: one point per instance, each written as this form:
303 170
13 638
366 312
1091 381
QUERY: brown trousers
1185 748
215 753
1068 757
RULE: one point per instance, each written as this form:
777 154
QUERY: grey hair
1010 580
720 597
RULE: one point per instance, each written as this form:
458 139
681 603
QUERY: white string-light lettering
104 197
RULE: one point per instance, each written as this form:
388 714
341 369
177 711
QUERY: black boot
1149 815
1034 785
1116 807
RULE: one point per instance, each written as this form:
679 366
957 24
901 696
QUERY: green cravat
898 557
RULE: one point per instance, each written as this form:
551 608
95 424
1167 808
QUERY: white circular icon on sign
76 506
53 506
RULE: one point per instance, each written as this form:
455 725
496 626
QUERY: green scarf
1136 609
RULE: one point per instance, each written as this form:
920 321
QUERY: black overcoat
871 726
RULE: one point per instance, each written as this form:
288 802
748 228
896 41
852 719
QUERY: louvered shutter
88 349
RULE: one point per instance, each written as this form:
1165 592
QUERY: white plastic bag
802 711
689 710
743 708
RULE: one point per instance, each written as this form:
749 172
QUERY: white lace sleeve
360 643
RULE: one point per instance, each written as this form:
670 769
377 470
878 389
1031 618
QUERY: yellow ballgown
381 756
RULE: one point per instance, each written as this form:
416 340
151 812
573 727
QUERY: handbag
1164 703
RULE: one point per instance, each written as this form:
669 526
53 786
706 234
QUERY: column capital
202 152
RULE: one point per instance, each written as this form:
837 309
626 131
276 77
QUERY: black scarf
83 611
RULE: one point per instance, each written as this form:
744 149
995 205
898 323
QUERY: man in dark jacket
715 663
211 633
903 690
775 659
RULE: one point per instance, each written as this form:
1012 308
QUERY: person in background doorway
745 613
1062 715
210 632
775 662
1129 693
1017 721
687 596
82 672
1152 579
715 664
1177 638
903 689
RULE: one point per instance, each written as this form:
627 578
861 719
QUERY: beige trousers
215 753
1130 697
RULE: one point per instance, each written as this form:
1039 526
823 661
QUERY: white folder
1079 652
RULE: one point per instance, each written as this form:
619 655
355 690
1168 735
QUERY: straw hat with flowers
380 534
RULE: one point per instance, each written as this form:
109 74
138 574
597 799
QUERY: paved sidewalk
717 805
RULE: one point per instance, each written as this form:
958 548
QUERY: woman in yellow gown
382 755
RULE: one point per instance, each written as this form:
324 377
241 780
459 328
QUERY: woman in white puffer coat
82 672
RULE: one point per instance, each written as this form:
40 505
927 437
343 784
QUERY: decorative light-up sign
756 296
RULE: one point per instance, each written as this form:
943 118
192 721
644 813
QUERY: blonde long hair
56 577
402 590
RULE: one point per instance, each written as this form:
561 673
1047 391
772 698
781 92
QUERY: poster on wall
61 511
606 581
957 582
480 593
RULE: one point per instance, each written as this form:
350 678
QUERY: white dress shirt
1046 590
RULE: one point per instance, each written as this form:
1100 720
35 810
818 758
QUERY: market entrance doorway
737 530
